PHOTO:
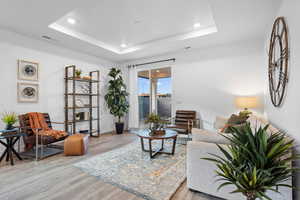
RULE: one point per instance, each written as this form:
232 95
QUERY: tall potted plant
116 98
255 162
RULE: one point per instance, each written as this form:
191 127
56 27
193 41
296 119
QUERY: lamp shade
246 102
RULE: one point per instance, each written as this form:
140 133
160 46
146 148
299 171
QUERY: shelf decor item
255 162
84 88
116 98
9 118
278 61
78 73
79 103
156 125
82 94
28 71
86 78
28 93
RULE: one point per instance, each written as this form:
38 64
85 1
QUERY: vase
9 127
159 132
77 77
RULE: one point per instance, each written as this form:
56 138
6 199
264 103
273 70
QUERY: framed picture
28 71
28 93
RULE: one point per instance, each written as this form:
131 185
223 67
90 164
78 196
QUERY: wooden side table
145 134
11 137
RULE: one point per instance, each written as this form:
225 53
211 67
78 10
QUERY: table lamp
246 103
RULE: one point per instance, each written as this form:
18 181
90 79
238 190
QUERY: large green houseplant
116 98
255 162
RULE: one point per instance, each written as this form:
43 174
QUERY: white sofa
201 174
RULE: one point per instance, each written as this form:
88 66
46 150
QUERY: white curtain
133 121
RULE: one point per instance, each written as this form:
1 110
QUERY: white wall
52 60
208 80
287 117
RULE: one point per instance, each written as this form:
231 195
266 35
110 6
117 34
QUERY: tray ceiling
131 25
146 27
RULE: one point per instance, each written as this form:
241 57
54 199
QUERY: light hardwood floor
54 178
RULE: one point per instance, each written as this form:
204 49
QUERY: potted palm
116 98
9 118
255 162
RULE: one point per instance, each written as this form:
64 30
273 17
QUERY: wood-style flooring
55 178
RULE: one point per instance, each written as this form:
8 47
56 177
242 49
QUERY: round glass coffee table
146 134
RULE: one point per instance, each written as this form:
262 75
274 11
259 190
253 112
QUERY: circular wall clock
278 61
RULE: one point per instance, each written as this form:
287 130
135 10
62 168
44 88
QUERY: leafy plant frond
116 96
78 72
256 161
9 118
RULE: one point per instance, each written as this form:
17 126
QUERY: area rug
132 170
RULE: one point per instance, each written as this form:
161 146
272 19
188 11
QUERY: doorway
154 93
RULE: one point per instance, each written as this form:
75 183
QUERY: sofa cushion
256 122
237 119
234 121
220 122
208 136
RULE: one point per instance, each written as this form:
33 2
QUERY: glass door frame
151 99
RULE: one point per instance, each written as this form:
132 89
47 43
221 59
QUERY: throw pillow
234 121
237 119
220 122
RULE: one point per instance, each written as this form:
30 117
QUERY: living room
63 62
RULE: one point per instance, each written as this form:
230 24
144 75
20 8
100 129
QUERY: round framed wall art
278 61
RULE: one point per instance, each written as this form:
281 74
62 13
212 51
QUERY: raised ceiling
147 27
138 24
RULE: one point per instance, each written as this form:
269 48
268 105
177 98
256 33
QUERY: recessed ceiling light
137 21
157 71
71 21
197 25
123 45
46 37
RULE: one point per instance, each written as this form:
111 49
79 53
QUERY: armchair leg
42 147
36 147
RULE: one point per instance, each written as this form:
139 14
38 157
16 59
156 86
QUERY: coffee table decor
131 170
156 124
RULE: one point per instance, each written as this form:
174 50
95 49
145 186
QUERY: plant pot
159 132
119 127
9 127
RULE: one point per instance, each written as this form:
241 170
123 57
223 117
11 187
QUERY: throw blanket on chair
40 127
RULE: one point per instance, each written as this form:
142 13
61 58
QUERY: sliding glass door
154 93
143 95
